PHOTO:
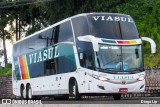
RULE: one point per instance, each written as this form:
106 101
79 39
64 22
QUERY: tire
29 93
74 91
61 97
117 96
23 93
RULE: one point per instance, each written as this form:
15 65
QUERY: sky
9 50
8 47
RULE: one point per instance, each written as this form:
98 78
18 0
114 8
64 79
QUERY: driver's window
86 60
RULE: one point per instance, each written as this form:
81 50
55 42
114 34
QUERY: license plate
123 90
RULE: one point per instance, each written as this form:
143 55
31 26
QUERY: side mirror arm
90 38
153 44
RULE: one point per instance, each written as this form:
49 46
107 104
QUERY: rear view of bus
110 54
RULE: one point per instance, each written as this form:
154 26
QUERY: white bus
86 54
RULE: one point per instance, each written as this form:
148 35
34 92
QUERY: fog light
101 87
141 86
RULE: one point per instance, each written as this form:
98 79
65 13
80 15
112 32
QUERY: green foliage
146 14
7 70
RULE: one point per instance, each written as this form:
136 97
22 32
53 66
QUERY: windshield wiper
111 70
114 70
134 69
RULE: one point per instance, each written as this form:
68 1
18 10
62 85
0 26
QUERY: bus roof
69 18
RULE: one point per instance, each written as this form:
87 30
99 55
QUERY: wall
6 87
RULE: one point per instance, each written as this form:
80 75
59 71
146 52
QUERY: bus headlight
141 78
102 78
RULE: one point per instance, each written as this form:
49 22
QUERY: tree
3 33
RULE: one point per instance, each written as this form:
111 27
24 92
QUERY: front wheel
61 97
117 96
23 93
74 91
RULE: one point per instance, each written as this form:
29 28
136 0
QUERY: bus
86 54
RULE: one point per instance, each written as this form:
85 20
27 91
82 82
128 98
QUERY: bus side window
63 33
60 64
64 64
70 65
56 34
50 67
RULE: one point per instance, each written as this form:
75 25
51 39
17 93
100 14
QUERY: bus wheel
61 97
74 91
29 92
23 93
117 96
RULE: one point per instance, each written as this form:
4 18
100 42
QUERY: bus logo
123 82
121 77
113 18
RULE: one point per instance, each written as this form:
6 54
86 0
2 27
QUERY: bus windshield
120 58
109 26
112 26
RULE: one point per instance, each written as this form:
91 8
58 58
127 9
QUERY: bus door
58 79
52 70
87 63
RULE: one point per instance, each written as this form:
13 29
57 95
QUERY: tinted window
33 43
65 64
70 65
86 54
63 32
112 26
36 69
60 64
50 67
80 26
87 60
44 39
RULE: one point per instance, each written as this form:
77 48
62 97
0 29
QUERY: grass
7 70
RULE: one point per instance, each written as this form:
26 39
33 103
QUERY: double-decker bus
86 54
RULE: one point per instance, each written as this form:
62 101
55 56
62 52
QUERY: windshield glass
122 58
112 26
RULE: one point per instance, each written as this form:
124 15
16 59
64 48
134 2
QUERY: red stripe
123 42
22 67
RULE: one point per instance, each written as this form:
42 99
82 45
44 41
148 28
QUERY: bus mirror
136 52
90 38
153 44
